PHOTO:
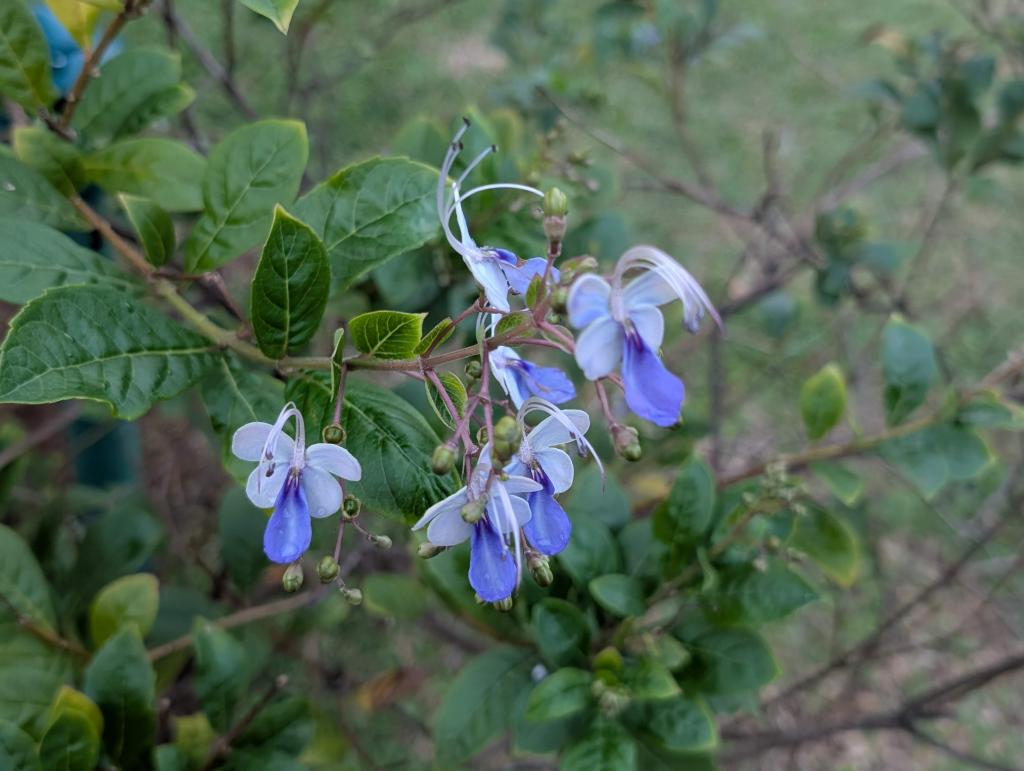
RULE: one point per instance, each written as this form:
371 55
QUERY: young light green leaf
830 543
908 364
686 513
682 724
456 393
370 212
337 358
607 746
17 749
26 194
59 161
222 674
823 401
70 700
71 743
24 59
34 258
475 706
153 226
562 693
387 334
619 594
90 342
290 287
437 336
130 600
121 681
165 171
278 11
251 170
840 481
134 88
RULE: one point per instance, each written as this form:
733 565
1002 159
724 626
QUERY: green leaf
59 161
165 171
284 725
393 596
133 89
117 543
823 401
560 631
475 708
79 342
562 693
121 681
34 258
436 337
763 595
605 747
17 750
937 455
278 11
840 481
71 743
733 661
25 194
682 724
648 679
592 552
221 677
71 701
642 553
370 212
988 410
686 513
337 359
387 334
167 757
131 600
830 542
604 500
250 171
422 139
290 287
153 226
24 59
909 368
240 528
392 440
620 595
456 392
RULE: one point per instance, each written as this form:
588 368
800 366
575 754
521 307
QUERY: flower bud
608 659
473 511
558 299
627 442
380 541
291 581
350 507
354 596
556 203
427 550
504 605
540 569
334 434
327 569
506 438
481 435
443 459
474 369
577 266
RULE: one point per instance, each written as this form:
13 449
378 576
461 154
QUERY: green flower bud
481 436
558 299
334 434
354 596
427 550
540 569
504 605
443 459
479 600
380 541
291 581
556 203
350 507
506 438
577 266
608 659
327 569
627 442
473 511
474 369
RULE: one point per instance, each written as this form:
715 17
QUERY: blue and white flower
298 482
539 458
621 324
495 564
496 270
521 379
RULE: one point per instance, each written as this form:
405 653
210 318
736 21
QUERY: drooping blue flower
539 458
298 482
521 379
622 325
66 56
495 565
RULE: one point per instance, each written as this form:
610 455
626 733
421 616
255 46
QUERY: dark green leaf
605 747
604 500
823 401
59 161
165 171
153 226
119 542
733 661
25 194
830 542
222 677
641 551
387 334
937 455
71 743
240 529
290 287
763 595
685 515
560 631
649 680
620 595
562 693
422 139
591 552
17 750
24 59
988 410
278 11
131 600
908 364
108 348
284 726
681 725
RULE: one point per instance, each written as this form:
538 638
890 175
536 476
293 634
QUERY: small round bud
627 442
577 266
327 569
555 318
443 459
556 203
380 541
473 511
354 596
474 369
506 438
504 605
334 434
291 581
558 299
540 569
608 659
351 506
479 600
426 550
481 435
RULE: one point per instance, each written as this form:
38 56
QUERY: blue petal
520 276
547 382
549 528
504 255
492 570
652 392
289 531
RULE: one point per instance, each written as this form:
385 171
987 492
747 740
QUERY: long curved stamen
506 510
683 284
270 445
537 404
494 186
474 163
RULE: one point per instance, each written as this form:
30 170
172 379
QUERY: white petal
522 510
599 348
648 289
558 466
515 485
552 431
248 442
453 502
323 493
588 300
261 489
449 528
650 324
492 279
334 460
499 518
